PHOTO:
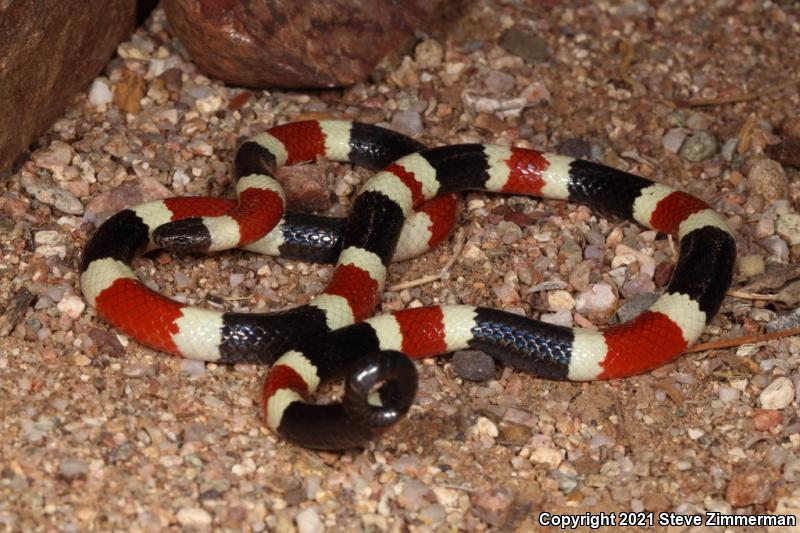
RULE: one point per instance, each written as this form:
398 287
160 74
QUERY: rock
50 50
128 194
751 487
788 227
194 517
192 367
483 429
529 47
775 246
578 148
99 93
751 265
305 186
560 300
499 82
72 469
407 122
54 158
546 455
107 342
14 311
673 139
129 91
493 505
698 147
72 305
635 306
768 179
597 300
764 228
778 395
318 43
60 199
413 495
473 365
429 54
308 521
786 152
766 419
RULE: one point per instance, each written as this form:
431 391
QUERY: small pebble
499 82
778 395
766 419
560 300
192 367
100 93
551 457
751 265
494 505
728 394
698 147
529 47
412 495
194 517
599 299
788 227
473 365
71 305
768 179
308 521
673 139
764 228
72 469
408 122
753 486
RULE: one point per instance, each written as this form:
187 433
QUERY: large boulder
49 50
286 43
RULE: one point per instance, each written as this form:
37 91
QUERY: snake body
336 333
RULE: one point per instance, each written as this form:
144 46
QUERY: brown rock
766 419
305 186
128 194
493 505
751 487
50 49
129 91
786 152
283 43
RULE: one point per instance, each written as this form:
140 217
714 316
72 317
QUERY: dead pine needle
747 339
698 102
752 296
434 277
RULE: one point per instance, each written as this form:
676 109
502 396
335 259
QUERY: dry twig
698 102
747 339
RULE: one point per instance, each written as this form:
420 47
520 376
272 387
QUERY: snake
408 206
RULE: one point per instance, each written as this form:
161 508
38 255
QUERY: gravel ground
100 433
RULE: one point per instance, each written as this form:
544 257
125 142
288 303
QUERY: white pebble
560 301
778 395
71 305
194 517
599 298
728 394
99 93
308 521
695 433
192 367
208 104
547 456
47 237
484 428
